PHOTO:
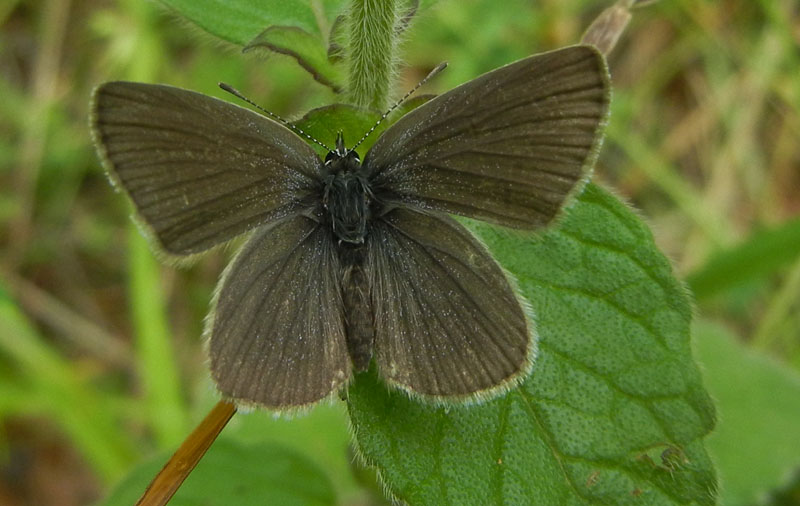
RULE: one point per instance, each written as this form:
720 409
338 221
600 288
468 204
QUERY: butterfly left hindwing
277 335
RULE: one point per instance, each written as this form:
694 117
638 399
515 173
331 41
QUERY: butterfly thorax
346 196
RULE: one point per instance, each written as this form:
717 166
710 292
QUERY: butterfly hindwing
447 322
199 170
508 147
277 336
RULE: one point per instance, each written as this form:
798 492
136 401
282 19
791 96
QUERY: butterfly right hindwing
447 322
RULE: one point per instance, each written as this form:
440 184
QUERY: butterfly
355 261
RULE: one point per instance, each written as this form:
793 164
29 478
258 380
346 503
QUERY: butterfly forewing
277 335
199 170
507 147
447 322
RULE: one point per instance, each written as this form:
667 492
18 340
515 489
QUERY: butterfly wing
277 335
447 322
199 170
507 147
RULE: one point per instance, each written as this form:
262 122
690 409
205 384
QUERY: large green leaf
757 443
305 48
240 21
232 473
297 28
614 411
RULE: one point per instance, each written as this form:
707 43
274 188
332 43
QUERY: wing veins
425 249
255 320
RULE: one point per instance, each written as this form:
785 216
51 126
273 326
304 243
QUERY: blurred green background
101 357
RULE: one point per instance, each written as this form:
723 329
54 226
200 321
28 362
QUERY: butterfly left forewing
199 170
508 147
447 322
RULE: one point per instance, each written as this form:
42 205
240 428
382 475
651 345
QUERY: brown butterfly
353 261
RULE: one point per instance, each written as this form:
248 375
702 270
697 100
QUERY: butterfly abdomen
359 321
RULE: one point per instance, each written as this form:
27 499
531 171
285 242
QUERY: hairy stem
372 45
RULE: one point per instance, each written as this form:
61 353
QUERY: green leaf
337 39
232 473
614 410
240 21
322 436
303 47
324 123
761 255
756 442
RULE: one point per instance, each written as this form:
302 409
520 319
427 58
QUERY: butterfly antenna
432 73
233 91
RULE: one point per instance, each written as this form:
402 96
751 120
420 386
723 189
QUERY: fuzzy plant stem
371 54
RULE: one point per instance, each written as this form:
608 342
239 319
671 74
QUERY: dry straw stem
606 29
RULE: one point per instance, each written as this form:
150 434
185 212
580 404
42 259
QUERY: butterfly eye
331 156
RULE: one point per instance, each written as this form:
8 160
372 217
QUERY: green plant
614 412
614 380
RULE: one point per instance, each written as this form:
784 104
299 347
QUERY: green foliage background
101 362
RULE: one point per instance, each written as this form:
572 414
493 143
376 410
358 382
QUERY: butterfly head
342 158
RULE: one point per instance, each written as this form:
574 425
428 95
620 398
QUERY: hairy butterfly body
348 205
351 262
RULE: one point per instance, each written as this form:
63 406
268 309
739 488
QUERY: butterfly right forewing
508 147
